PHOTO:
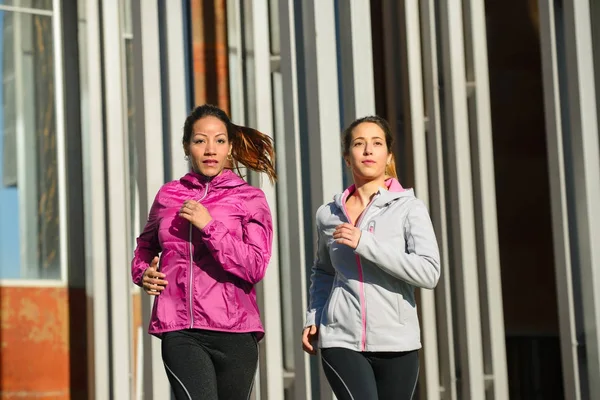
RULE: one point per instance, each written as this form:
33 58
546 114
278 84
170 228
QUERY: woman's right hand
153 282
310 336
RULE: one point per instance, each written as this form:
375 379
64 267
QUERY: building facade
495 109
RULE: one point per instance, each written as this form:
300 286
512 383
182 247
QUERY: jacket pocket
401 312
332 305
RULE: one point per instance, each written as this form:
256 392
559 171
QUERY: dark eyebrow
362 138
205 135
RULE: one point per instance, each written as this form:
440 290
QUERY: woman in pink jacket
214 234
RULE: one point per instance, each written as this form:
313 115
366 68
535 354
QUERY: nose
368 149
210 148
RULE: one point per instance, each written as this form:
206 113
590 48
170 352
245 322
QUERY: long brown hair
249 147
390 169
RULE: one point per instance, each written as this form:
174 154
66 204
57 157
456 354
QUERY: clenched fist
309 336
196 213
153 281
347 234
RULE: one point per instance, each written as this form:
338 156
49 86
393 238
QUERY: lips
368 162
210 162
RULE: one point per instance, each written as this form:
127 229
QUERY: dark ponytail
254 150
249 147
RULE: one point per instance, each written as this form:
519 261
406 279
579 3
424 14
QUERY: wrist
204 223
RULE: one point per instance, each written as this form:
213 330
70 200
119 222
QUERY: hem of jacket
259 331
370 348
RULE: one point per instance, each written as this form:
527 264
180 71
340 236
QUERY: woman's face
368 154
209 146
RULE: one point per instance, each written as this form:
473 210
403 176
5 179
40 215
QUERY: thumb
313 329
154 263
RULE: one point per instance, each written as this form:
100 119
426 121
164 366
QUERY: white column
415 91
236 60
558 199
177 104
259 109
322 111
322 100
463 241
95 210
116 168
149 148
486 223
558 185
444 370
583 124
292 179
358 89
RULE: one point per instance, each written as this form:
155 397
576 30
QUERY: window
30 188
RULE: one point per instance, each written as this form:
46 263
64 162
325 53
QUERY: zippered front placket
361 280
192 267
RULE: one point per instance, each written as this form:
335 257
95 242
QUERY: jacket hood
393 190
226 180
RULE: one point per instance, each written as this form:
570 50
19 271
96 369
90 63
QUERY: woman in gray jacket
375 245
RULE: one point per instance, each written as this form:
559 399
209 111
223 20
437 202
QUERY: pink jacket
211 272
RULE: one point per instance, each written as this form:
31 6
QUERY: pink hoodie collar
226 179
391 184
393 189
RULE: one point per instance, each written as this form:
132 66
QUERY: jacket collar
227 179
393 190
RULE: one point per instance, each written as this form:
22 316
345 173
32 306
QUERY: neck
203 178
366 189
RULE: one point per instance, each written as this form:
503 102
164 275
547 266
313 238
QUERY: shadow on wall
523 200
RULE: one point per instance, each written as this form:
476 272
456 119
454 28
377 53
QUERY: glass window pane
29 192
41 4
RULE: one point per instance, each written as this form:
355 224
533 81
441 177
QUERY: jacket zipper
361 280
192 267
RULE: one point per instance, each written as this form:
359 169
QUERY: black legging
371 375
209 365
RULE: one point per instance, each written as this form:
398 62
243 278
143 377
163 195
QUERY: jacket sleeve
148 245
321 279
416 260
248 257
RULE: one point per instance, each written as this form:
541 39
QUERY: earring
229 158
186 158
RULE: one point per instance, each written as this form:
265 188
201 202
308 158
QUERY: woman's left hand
347 234
196 213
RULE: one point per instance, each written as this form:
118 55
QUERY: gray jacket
364 299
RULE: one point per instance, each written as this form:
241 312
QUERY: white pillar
149 149
440 371
583 126
291 179
558 198
484 190
116 168
322 102
416 123
177 93
358 88
95 210
259 114
463 240
322 112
